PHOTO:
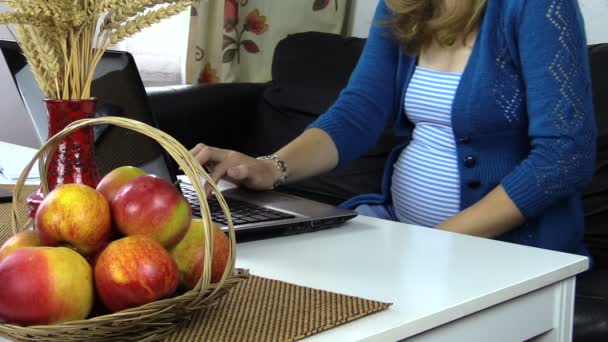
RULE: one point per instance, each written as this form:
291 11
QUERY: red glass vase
74 159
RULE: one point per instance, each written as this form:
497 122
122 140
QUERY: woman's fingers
208 156
228 159
196 149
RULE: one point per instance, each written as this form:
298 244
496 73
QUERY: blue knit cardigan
522 116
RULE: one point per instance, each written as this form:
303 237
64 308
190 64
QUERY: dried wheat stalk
63 44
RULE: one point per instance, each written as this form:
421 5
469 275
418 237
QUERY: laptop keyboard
241 212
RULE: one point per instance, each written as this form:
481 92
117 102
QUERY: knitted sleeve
359 115
554 65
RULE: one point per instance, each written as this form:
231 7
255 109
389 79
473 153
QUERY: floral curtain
234 40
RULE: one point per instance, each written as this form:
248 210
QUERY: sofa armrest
217 114
591 306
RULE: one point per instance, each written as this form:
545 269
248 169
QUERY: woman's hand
236 167
264 174
493 215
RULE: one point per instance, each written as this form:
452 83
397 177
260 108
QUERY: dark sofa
309 70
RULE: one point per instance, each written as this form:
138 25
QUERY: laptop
120 92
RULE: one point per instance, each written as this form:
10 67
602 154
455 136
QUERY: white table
444 286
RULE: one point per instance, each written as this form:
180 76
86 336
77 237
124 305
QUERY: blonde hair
416 23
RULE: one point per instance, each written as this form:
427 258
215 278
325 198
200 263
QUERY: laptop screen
119 92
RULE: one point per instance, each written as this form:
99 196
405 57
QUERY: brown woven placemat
257 309
261 309
6 230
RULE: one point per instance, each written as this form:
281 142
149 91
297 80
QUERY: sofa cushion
310 69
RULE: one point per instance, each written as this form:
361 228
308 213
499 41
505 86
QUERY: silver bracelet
281 165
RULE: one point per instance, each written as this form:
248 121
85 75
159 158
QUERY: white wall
15 123
360 19
595 13
160 50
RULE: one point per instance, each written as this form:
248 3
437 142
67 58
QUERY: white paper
11 181
13 159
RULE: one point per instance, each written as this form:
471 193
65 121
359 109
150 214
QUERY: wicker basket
155 320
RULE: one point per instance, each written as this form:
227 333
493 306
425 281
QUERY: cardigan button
465 140
470 162
474 184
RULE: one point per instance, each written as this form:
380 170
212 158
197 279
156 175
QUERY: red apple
27 238
189 254
151 206
111 182
133 271
74 214
45 285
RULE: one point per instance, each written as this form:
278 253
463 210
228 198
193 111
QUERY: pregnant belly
425 185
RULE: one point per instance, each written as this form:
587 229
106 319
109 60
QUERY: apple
111 182
133 271
189 254
45 285
151 206
76 215
26 238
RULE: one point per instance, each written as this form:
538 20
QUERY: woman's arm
494 215
554 65
312 153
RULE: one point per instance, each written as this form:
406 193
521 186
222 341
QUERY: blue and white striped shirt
425 181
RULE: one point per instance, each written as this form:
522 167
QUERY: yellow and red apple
26 238
189 254
115 179
133 271
45 285
76 215
151 206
